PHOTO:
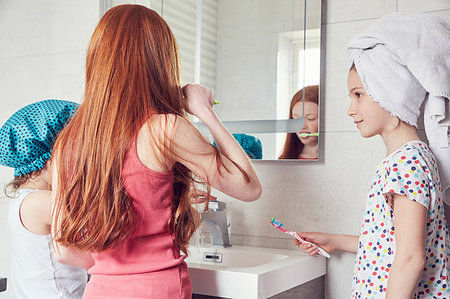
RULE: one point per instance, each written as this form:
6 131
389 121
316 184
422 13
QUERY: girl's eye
311 118
358 95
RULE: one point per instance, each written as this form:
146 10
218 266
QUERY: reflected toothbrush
278 224
307 134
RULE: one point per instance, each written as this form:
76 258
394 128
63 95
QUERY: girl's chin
366 134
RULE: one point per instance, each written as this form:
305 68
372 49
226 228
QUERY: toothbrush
278 224
307 134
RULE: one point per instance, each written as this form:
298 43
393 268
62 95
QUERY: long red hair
132 71
293 146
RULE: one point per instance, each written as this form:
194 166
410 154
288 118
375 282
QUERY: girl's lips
358 123
302 137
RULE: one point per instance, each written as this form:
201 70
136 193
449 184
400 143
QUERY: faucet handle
216 205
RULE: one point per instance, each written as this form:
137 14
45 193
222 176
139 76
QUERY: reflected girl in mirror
305 148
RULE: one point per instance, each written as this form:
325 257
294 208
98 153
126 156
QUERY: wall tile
350 10
335 100
420 6
60 26
251 12
24 80
338 281
6 175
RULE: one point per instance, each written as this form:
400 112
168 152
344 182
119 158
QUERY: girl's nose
305 125
351 109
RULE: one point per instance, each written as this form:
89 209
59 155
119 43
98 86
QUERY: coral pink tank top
149 257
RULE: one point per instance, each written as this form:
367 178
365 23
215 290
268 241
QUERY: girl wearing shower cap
126 163
26 141
403 249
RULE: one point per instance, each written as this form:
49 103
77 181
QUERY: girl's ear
395 123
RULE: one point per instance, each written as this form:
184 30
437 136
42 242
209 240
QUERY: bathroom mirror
255 55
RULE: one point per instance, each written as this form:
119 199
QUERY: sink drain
212 257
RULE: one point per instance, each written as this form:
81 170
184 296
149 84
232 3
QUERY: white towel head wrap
403 59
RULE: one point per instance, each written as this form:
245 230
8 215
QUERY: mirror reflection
304 144
254 56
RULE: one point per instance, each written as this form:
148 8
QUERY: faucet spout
216 219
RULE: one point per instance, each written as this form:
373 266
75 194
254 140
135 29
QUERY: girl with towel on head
399 63
26 141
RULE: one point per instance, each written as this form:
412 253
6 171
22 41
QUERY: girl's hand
326 241
199 99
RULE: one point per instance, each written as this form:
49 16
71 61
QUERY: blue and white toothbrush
279 225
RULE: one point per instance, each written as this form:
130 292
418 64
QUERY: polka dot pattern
27 137
410 171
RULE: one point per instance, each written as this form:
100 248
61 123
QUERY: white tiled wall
328 195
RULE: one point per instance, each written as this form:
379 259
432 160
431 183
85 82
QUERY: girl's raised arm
235 175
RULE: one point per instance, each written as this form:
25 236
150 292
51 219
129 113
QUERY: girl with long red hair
125 167
297 146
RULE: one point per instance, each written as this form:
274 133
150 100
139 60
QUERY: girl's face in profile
311 117
368 116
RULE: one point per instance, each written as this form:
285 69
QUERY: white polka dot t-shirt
410 171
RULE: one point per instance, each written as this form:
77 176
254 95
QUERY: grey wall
42 48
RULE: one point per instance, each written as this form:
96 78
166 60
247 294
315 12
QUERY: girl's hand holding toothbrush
326 241
278 224
199 100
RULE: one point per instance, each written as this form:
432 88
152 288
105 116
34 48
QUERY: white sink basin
232 257
250 272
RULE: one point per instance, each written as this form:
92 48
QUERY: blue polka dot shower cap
250 144
27 137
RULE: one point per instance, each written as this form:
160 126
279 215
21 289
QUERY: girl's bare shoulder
35 211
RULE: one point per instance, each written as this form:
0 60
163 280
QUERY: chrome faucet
216 219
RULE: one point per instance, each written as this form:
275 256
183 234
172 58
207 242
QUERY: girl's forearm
404 277
346 243
72 256
231 149
225 141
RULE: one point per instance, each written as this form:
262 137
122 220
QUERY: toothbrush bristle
276 223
